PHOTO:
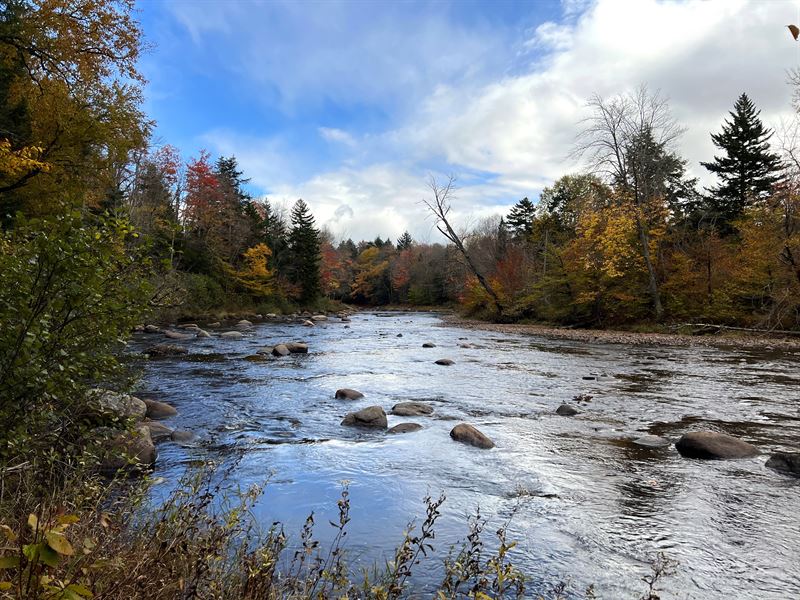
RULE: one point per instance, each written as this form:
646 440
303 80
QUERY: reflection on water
590 505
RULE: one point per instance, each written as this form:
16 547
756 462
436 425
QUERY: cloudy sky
352 105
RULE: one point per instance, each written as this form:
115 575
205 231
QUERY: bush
70 292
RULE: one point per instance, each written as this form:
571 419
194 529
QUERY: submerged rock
158 431
446 362
232 335
348 394
429 345
565 410
411 409
405 428
159 410
652 441
174 335
181 436
785 462
713 445
467 434
372 417
166 350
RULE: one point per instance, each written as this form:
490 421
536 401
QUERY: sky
352 106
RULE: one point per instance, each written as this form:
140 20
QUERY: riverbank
728 339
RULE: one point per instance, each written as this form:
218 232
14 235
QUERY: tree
404 242
747 169
304 244
629 138
520 219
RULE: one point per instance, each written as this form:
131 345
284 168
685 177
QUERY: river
588 505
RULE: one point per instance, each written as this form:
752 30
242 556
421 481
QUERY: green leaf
48 556
81 590
59 543
9 562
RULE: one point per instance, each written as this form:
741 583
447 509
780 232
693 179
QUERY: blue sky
351 105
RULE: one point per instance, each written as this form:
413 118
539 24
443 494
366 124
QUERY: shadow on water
588 502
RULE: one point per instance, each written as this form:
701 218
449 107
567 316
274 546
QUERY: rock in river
158 431
467 434
128 449
372 417
411 409
166 350
297 347
280 350
348 394
445 362
174 335
159 410
405 428
119 405
429 345
652 441
232 335
713 445
565 410
785 462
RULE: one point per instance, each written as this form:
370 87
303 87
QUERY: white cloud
518 129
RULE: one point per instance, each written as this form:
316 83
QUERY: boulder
159 410
316 318
345 319
244 323
372 417
652 441
412 409
181 436
405 428
308 323
785 462
467 434
271 316
232 335
158 431
175 335
128 450
188 326
297 347
565 410
713 445
215 324
429 345
280 350
152 329
119 405
348 394
202 333
166 350
399 335
138 329
446 362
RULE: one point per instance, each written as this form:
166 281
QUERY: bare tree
629 140
440 207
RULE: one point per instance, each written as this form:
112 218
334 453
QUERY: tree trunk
655 293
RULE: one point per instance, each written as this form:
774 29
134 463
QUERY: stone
467 434
316 318
128 450
446 362
159 410
308 323
399 335
138 329
371 417
652 441
215 324
166 350
297 347
713 445
152 329
188 326
348 394
181 436
565 410
202 333
280 350
232 335
412 409
174 335
785 462
119 405
429 345
405 428
245 323
158 431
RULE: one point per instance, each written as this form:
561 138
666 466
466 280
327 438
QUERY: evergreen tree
304 243
747 169
520 219
404 241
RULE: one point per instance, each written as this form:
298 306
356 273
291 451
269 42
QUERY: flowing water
588 505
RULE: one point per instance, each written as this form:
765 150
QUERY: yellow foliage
255 276
17 163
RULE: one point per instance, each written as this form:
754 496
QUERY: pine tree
747 170
404 241
304 243
520 219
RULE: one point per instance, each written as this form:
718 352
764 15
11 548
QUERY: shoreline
633 338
